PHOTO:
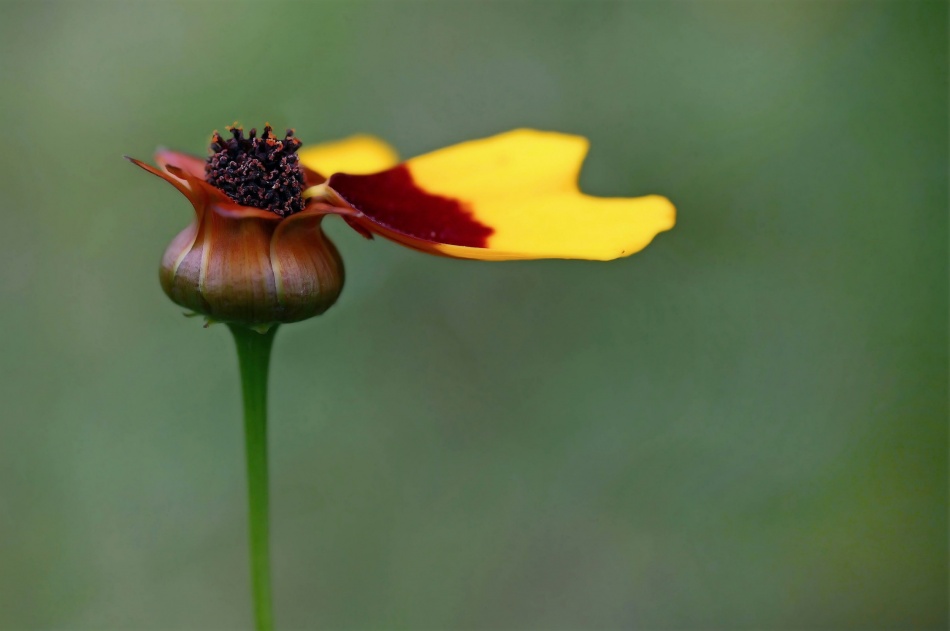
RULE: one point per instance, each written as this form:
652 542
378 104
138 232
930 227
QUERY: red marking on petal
393 200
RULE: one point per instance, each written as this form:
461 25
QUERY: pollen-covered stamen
261 172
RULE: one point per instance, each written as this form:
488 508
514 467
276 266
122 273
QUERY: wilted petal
178 182
184 161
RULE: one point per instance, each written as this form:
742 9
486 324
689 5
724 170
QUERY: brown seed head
263 172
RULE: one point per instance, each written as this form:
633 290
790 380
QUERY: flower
256 254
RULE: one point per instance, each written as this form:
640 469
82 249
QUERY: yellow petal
511 196
356 154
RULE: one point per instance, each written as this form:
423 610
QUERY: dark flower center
261 172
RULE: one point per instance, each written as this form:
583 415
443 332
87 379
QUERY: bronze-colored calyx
263 172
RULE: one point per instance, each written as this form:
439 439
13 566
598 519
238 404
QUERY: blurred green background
744 426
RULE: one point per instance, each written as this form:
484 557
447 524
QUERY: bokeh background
744 426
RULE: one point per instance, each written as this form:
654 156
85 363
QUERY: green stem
254 358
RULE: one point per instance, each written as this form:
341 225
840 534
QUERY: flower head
256 254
